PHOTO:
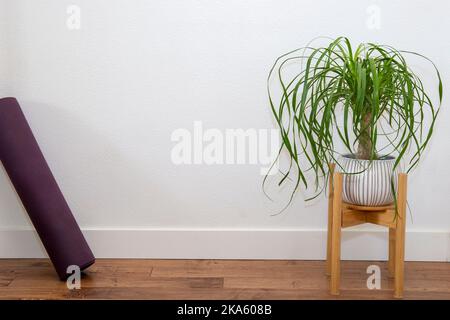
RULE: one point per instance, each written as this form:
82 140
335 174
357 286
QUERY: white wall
104 100
3 49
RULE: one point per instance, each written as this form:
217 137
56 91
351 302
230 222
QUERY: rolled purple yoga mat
39 192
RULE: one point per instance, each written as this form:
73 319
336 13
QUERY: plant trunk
365 138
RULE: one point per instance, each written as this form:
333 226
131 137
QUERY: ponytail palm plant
364 99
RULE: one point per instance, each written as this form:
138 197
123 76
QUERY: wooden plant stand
343 215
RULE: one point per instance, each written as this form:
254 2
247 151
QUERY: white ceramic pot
368 183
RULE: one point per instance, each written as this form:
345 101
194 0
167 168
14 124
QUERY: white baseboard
233 244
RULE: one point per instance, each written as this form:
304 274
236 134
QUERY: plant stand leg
330 217
391 261
336 235
329 243
400 236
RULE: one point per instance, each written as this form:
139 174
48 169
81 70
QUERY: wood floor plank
216 279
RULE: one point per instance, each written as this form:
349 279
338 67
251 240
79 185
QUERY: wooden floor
216 279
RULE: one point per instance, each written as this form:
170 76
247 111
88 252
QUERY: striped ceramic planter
368 183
